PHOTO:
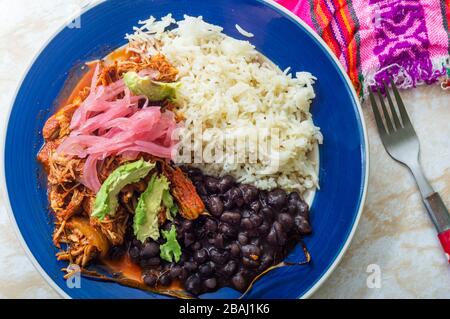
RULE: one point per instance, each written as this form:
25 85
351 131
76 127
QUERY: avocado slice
106 199
153 90
171 207
151 201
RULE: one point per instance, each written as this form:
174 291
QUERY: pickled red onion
105 125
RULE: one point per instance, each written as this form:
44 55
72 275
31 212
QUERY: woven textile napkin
407 40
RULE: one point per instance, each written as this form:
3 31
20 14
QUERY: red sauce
84 82
133 271
126 267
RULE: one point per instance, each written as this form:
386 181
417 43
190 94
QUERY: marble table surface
395 240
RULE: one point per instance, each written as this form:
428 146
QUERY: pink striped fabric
407 40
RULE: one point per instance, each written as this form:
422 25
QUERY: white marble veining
394 232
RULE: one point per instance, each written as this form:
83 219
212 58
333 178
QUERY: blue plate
281 37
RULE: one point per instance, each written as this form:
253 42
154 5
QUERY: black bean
263 198
277 198
211 184
215 205
213 265
256 241
151 262
256 219
251 251
175 272
219 257
189 238
246 213
168 265
235 195
246 223
303 209
137 243
227 203
249 262
201 255
300 206
186 224
231 218
249 193
193 171
292 209
243 238
252 232
211 225
302 225
230 268
294 196
134 252
235 249
239 282
150 250
183 275
150 280
247 232
190 266
193 284
286 221
255 206
218 241
200 232
272 237
267 213
227 231
264 228
210 283
226 183
239 202
165 279
155 261
281 235
205 269
196 246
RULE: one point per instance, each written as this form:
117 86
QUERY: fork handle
444 238
441 219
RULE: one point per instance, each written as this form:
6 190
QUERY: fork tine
376 113
392 106
387 117
401 107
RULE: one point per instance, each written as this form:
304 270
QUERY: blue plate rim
274 5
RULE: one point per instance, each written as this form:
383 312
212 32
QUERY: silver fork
401 142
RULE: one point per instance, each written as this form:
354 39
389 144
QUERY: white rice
228 86
244 32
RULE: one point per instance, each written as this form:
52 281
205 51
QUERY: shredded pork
79 237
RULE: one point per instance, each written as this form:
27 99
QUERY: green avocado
153 90
150 203
106 199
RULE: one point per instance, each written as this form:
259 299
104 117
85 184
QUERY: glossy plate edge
270 3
